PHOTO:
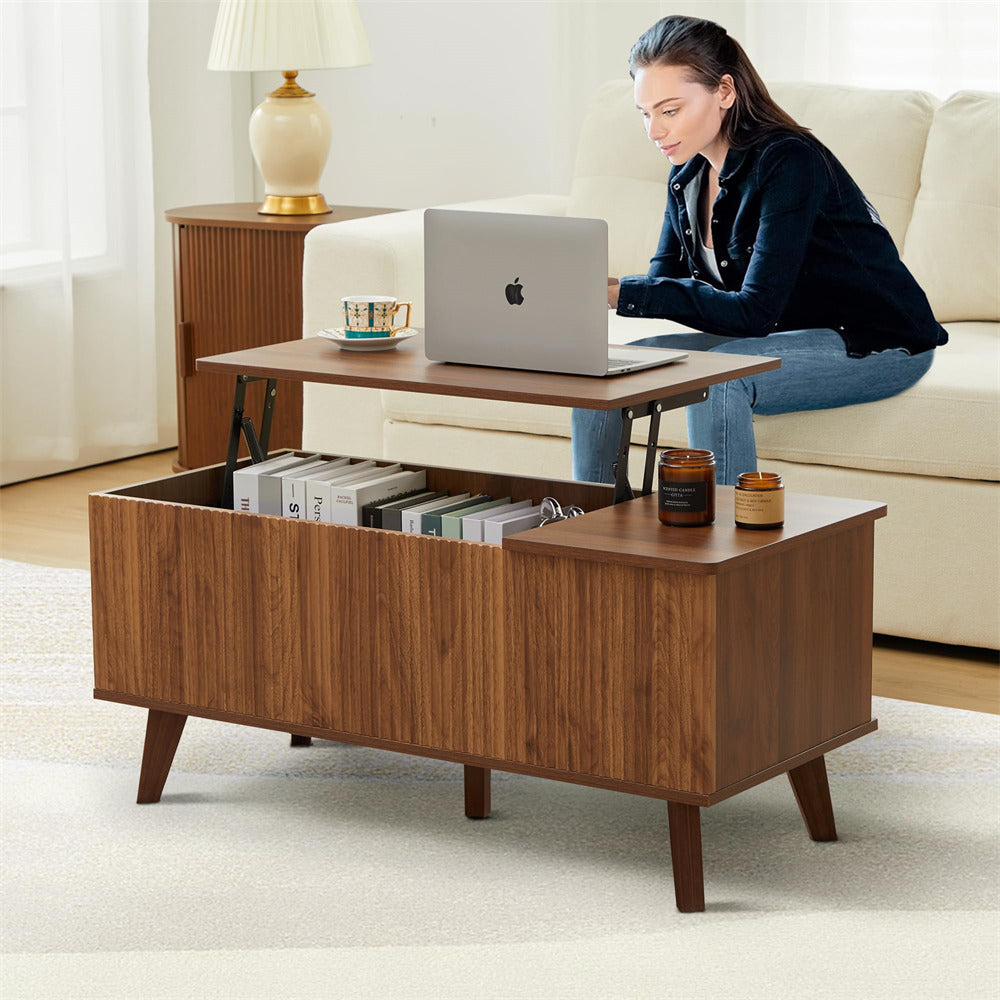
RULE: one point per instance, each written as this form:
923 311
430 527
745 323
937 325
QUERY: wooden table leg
685 856
812 793
477 792
163 733
301 741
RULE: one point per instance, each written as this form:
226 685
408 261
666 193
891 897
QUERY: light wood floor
45 521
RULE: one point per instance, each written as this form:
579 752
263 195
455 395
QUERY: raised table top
630 534
315 359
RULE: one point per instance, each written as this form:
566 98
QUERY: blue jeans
815 374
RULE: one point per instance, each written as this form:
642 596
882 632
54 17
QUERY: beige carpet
338 871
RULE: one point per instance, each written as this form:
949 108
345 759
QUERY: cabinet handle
185 346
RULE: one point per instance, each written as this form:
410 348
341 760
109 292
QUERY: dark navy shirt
798 247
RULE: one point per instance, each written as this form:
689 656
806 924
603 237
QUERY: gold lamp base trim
287 204
290 88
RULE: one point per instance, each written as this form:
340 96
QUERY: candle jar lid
687 458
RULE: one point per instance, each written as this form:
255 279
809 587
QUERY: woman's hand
613 289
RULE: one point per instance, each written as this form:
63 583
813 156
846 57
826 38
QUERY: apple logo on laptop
513 293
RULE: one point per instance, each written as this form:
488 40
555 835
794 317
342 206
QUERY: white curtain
78 356
935 45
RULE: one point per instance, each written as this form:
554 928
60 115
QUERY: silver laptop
522 291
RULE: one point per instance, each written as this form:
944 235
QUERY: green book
451 524
430 523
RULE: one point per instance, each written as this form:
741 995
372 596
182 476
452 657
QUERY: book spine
245 494
411 522
472 528
373 512
392 518
295 506
494 532
315 502
346 500
430 524
319 501
270 494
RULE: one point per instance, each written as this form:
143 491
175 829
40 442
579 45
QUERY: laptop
523 291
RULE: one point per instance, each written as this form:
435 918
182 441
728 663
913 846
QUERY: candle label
760 506
684 498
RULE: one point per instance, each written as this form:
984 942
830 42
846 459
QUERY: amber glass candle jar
687 487
759 500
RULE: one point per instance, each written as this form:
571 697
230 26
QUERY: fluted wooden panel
239 288
237 284
387 635
611 670
795 656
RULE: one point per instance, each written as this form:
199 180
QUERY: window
56 155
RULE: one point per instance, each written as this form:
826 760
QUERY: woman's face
681 116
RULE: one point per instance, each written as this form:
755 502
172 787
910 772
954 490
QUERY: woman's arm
792 179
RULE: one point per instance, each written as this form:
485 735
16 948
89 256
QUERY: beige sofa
932 453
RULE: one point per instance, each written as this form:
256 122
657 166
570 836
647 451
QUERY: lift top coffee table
686 664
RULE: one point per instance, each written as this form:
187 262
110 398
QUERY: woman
768 246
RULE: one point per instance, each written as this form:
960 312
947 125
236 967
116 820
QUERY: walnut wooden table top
315 359
630 534
244 215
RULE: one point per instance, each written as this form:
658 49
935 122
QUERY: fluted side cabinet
237 284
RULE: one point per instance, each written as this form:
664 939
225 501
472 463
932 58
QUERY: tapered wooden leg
163 733
812 792
301 741
685 856
477 792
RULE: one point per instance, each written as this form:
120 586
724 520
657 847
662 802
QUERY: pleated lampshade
288 34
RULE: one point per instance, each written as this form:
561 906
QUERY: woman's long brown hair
709 53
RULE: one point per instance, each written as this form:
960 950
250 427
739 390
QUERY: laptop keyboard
615 363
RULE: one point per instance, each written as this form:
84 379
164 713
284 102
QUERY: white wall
200 153
478 99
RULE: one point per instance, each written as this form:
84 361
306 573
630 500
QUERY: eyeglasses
551 511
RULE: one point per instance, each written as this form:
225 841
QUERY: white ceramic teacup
373 315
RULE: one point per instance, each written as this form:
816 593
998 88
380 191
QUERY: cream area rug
339 871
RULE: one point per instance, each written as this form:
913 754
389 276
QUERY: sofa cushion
860 125
953 243
948 424
620 176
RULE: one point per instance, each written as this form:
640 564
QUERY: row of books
363 493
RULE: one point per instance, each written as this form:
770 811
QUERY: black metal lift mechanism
242 424
623 491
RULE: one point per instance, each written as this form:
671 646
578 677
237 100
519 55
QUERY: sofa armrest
383 255
379 255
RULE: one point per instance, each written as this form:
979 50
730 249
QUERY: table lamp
290 130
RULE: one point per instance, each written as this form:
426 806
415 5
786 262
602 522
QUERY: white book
472 524
347 500
269 485
247 481
318 487
293 485
285 478
325 490
499 528
411 516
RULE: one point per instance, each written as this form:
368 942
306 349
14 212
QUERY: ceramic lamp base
290 139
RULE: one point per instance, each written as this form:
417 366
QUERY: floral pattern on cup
373 315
